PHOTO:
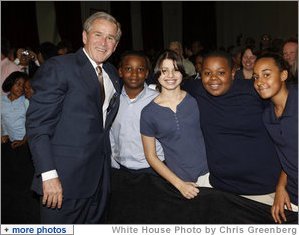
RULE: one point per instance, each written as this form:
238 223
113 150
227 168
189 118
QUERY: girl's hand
4 139
281 200
17 143
189 189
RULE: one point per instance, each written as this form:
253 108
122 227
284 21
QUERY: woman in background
248 57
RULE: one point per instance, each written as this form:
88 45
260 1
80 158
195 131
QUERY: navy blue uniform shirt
241 155
284 131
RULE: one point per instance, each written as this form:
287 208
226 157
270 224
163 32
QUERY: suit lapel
90 81
114 102
89 77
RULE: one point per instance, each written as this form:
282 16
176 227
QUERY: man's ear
284 75
84 37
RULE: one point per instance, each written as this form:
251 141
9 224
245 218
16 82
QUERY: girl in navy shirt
281 121
173 118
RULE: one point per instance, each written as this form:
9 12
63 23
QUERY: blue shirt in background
13 117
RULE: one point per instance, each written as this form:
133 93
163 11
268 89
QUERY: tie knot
99 70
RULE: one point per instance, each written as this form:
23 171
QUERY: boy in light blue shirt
127 150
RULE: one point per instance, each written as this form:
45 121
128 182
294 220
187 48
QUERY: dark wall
123 12
152 25
199 23
68 20
18 24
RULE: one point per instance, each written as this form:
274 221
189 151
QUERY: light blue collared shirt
125 135
13 117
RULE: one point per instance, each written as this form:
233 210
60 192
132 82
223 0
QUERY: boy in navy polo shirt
241 155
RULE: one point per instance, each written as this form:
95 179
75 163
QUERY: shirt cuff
37 63
114 164
49 175
17 61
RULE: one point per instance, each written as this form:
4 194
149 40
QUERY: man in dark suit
68 124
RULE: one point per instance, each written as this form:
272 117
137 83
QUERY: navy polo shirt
284 132
180 136
241 155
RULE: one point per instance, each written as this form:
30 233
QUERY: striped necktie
101 81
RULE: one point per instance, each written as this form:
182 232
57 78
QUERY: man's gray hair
105 16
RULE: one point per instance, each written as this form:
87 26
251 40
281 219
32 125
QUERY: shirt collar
291 104
94 64
139 96
290 107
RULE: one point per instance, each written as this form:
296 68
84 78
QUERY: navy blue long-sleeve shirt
241 155
284 132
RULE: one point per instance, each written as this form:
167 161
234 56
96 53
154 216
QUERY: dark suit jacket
65 124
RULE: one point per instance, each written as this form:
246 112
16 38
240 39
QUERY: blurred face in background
290 51
248 60
176 47
28 89
198 64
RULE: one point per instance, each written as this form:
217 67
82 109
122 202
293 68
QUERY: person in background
265 43
188 66
17 167
64 47
27 61
75 100
281 120
173 118
7 66
46 50
248 57
28 91
290 55
125 138
13 110
236 57
198 65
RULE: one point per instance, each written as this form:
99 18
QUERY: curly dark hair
12 79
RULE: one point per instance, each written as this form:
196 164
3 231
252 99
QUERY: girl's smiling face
171 77
268 77
17 89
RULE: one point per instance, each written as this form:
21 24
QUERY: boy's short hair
12 79
221 54
135 53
